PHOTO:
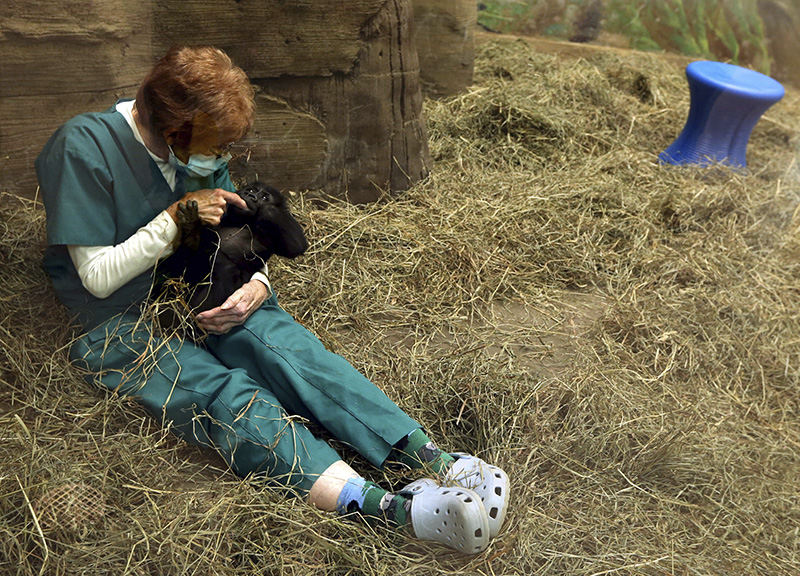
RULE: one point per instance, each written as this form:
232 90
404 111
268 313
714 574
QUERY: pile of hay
622 337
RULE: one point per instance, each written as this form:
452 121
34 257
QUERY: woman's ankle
418 451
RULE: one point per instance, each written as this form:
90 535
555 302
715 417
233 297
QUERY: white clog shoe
452 516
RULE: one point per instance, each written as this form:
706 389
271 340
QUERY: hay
622 337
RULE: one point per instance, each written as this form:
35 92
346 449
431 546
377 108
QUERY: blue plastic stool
726 103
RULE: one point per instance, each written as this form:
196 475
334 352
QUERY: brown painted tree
58 59
445 39
339 106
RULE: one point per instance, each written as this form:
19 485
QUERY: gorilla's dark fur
216 261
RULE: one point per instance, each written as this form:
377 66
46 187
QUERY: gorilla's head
269 218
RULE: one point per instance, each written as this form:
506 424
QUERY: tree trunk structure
445 37
339 100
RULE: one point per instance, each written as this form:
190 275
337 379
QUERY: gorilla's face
270 219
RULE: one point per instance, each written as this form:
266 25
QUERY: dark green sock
418 451
360 495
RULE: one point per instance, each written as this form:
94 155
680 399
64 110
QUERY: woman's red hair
194 89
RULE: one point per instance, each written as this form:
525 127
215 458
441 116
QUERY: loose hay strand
621 337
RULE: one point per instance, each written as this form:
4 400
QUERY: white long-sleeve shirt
105 269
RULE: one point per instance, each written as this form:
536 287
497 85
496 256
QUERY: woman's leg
326 490
322 386
311 381
205 402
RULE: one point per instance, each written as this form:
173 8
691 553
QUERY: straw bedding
622 337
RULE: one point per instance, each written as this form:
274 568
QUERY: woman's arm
105 269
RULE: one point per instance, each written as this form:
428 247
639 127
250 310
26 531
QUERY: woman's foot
490 483
452 516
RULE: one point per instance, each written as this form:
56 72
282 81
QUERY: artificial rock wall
339 96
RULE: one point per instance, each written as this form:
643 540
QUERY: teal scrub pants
248 393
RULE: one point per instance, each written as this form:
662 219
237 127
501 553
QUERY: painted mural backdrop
762 34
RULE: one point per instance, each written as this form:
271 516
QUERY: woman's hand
235 310
211 204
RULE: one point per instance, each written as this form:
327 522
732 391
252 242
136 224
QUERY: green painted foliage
720 29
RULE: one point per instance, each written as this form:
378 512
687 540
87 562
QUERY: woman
111 183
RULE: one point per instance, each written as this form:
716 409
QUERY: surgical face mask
199 165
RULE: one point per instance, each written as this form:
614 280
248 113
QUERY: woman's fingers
212 203
232 198
235 310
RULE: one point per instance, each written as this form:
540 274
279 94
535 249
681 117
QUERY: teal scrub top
99 186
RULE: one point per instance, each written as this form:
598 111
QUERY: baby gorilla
216 261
